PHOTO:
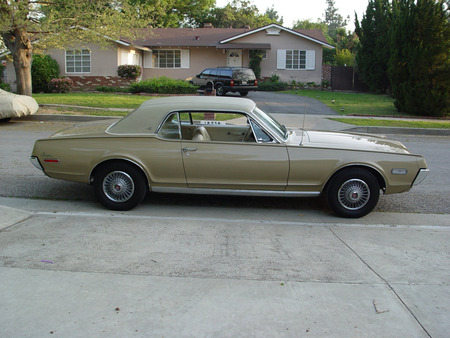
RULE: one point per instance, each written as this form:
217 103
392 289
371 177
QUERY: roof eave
281 28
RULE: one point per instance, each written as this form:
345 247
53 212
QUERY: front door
234 58
235 165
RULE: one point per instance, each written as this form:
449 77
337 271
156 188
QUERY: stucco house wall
283 41
201 48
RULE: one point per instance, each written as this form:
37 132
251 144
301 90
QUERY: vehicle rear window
244 74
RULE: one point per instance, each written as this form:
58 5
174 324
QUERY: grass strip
395 123
95 100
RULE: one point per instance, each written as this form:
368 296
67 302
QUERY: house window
167 58
78 61
295 59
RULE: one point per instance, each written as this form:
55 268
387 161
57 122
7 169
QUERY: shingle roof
208 37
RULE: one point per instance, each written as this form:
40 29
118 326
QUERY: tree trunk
19 44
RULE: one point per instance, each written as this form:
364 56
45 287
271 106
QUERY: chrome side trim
35 161
421 176
235 192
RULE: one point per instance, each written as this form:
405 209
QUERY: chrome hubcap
118 186
354 194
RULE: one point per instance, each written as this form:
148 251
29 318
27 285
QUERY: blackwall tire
120 186
220 91
353 193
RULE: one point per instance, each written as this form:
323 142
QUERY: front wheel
119 186
353 193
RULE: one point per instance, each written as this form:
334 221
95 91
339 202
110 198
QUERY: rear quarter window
244 74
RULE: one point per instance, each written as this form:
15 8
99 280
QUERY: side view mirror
198 76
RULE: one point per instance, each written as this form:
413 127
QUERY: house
184 52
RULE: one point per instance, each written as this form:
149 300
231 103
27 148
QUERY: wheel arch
118 160
376 173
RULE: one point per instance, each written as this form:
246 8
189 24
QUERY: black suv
227 79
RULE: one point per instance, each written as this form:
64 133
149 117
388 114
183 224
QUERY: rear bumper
36 162
421 176
240 88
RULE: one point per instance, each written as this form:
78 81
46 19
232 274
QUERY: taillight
256 82
232 83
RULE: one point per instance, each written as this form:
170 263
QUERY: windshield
274 125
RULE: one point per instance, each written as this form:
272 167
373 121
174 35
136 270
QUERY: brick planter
89 83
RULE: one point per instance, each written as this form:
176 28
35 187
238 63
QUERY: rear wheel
353 193
119 186
220 91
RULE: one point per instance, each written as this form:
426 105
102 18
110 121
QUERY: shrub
163 85
60 85
129 71
269 86
255 62
43 69
108 89
5 86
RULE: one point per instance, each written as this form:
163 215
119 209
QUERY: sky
293 10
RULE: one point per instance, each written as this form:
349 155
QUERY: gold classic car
216 145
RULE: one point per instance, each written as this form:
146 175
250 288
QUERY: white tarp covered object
13 105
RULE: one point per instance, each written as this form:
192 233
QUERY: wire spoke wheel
354 194
118 186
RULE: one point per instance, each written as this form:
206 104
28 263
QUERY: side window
170 128
260 135
205 73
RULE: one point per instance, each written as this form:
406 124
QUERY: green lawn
95 100
395 123
353 103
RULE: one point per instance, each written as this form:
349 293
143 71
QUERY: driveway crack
383 279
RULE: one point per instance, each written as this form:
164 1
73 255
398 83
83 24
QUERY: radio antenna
303 124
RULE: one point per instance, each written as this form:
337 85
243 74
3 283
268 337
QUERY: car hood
90 129
352 141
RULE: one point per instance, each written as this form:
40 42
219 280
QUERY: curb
397 130
66 118
360 129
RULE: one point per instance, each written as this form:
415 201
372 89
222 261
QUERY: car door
241 165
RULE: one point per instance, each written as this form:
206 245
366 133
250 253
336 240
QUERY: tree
176 13
344 57
419 65
238 14
272 14
333 19
38 24
373 50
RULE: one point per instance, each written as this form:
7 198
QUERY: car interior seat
201 134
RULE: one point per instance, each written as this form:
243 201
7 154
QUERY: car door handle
185 150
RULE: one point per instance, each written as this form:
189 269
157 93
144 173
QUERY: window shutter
281 59
185 58
148 59
310 59
123 58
